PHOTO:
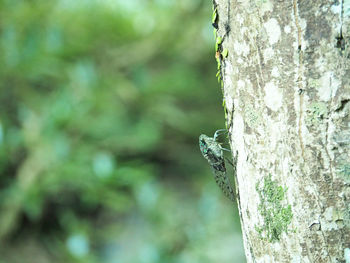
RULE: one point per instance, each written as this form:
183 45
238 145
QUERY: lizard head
203 143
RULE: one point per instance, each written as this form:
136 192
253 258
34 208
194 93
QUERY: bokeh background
101 106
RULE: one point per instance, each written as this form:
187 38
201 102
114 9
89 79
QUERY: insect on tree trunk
285 71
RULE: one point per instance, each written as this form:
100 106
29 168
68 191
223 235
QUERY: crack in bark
340 39
341 16
301 103
327 142
299 78
328 155
342 105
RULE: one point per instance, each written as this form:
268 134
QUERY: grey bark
286 86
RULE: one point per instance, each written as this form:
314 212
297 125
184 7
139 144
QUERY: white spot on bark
274 72
244 30
240 84
268 54
228 68
228 88
336 9
296 259
229 103
287 29
241 48
273 96
303 24
239 19
347 255
328 86
276 246
275 134
273 30
346 8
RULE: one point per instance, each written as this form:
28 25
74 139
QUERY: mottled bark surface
287 92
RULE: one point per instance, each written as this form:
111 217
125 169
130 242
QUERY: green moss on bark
277 216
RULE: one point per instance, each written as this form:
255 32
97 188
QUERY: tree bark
286 82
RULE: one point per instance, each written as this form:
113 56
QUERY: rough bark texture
287 93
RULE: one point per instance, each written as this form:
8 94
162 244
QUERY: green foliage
224 53
101 106
277 216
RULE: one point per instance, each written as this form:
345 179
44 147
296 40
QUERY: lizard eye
203 145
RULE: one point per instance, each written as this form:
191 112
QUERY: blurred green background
101 106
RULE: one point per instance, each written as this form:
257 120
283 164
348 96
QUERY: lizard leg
217 133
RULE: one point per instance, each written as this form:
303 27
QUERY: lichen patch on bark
277 216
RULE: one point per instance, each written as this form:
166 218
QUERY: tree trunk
286 78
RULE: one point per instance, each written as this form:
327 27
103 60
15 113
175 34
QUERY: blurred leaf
101 106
